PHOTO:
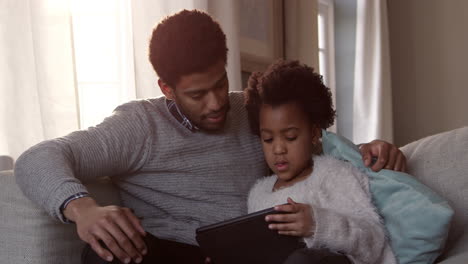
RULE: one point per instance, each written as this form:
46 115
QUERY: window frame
326 35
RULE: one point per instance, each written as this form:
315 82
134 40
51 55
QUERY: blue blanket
416 218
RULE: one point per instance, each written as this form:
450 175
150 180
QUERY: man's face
203 97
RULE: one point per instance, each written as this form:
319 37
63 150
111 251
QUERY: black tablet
246 239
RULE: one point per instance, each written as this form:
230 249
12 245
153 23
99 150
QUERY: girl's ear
316 140
316 134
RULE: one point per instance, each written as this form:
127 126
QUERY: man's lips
216 117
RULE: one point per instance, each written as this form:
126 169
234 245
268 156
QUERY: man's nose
215 102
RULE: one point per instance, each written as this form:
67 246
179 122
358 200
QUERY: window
102 39
326 46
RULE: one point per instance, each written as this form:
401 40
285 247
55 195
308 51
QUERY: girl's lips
281 166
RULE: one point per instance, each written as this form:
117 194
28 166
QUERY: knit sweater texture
175 179
345 219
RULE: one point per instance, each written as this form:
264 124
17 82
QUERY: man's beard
224 110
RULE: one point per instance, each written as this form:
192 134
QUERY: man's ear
166 89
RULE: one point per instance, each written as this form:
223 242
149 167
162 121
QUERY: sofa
6 163
29 235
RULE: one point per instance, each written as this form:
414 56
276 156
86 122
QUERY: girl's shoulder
330 161
334 170
264 184
260 193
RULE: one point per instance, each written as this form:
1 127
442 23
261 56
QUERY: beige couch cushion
6 163
29 235
441 162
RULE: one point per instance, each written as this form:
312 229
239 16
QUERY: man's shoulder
236 100
141 105
236 97
139 102
147 111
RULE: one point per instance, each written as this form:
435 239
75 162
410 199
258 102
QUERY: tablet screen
246 239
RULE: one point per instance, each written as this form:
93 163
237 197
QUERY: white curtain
372 115
147 13
37 83
38 95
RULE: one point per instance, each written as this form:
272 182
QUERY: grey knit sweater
175 179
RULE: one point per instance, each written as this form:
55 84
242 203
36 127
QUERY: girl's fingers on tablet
283 227
281 218
288 208
289 233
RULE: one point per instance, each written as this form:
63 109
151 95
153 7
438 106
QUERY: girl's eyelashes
270 139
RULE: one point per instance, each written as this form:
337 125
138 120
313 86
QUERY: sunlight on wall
103 57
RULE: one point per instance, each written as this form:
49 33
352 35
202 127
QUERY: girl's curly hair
289 81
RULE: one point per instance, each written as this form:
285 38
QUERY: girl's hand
298 221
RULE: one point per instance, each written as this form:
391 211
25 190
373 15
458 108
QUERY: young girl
328 200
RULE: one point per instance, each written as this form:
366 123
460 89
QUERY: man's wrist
74 208
67 201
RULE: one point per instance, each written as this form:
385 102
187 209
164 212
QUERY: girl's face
288 141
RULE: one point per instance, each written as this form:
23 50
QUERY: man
180 161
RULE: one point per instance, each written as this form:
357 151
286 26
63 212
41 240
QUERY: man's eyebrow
221 80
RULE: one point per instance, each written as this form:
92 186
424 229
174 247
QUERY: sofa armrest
440 162
6 163
459 253
29 235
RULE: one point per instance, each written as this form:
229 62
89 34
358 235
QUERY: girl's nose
279 148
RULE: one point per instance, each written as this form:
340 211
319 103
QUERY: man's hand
387 155
118 228
298 221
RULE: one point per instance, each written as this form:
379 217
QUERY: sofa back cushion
404 204
29 235
441 162
6 163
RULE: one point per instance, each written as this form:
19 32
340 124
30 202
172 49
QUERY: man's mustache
224 109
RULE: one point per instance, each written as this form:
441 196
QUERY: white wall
301 32
429 56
